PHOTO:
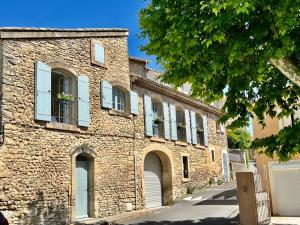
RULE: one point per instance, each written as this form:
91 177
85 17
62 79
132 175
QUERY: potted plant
180 125
158 119
65 98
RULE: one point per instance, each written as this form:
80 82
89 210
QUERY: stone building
85 134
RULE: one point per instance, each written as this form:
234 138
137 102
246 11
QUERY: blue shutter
134 103
187 125
42 92
173 122
99 53
194 127
166 120
83 101
148 116
205 130
106 93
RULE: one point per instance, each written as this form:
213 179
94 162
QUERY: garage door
153 181
286 187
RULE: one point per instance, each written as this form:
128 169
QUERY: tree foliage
232 44
239 139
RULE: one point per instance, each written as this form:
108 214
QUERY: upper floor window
63 96
98 53
200 130
157 119
60 96
118 99
180 125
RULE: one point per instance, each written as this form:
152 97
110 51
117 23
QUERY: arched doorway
82 187
153 181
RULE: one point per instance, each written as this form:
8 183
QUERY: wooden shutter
134 103
187 125
194 127
204 119
148 116
166 120
83 101
173 122
99 53
106 94
42 92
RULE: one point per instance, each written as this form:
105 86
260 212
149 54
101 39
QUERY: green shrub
190 188
219 181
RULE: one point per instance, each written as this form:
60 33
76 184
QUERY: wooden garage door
287 186
153 181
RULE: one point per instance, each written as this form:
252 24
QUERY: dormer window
98 53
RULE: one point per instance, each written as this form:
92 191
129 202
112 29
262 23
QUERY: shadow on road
224 198
206 221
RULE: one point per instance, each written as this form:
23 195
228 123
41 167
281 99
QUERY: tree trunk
287 69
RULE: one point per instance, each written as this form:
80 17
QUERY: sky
78 14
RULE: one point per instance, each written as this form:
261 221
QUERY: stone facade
37 159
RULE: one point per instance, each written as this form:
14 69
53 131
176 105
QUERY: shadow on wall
41 212
206 221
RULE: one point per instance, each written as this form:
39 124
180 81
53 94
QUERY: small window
180 125
212 152
200 130
158 122
98 53
218 126
118 99
185 167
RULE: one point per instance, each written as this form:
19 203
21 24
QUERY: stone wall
38 186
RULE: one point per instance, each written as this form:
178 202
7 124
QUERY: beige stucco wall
39 161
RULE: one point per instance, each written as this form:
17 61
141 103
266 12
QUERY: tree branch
287 69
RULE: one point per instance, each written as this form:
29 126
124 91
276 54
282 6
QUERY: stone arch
63 67
90 155
165 156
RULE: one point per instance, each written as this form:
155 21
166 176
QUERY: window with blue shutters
173 122
187 126
200 130
166 120
181 125
158 119
83 101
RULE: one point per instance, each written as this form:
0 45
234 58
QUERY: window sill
201 147
61 126
119 113
185 180
180 143
158 139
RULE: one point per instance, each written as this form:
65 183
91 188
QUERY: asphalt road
214 206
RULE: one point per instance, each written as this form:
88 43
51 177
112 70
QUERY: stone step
113 220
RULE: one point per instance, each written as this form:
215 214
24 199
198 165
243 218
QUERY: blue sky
77 14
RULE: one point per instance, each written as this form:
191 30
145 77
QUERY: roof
138 59
37 32
167 91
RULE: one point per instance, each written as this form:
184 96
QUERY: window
98 53
218 126
118 99
200 130
180 125
212 152
63 96
158 121
185 163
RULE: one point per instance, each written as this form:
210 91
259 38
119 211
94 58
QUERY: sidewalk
285 220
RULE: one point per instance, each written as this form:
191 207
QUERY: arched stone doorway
157 178
83 183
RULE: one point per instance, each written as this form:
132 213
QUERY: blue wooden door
82 192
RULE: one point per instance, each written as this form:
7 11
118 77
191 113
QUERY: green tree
239 139
249 47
